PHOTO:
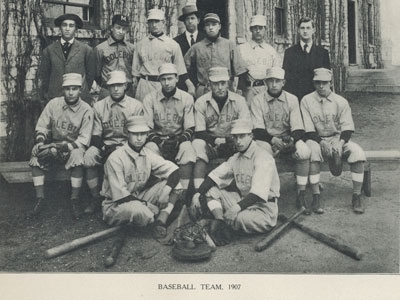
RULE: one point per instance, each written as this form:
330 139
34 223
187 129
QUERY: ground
375 233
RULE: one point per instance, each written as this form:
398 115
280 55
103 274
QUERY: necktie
65 49
191 40
305 48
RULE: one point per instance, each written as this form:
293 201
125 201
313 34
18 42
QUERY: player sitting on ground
329 126
128 198
279 127
253 206
65 126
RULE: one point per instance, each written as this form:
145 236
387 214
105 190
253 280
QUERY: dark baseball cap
120 20
73 17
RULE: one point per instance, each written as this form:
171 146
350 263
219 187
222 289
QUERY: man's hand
164 197
195 206
278 143
302 150
36 148
338 147
219 141
231 214
220 232
326 148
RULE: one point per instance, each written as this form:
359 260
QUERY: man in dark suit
301 59
66 55
191 18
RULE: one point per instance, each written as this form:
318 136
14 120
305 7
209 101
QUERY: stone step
394 89
377 80
373 80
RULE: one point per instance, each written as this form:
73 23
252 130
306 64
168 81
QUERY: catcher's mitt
169 149
190 244
47 154
226 150
335 163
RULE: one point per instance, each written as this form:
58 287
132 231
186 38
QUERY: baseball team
168 109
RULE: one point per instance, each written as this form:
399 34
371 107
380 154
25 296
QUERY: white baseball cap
156 14
216 74
258 20
137 124
241 126
167 68
116 77
70 79
275 72
322 74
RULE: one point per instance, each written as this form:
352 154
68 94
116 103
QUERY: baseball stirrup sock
314 181
92 181
185 171
76 181
199 172
357 176
38 181
215 208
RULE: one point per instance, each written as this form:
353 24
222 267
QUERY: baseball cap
116 77
156 14
258 20
275 72
216 74
137 124
241 126
73 17
322 74
120 20
167 68
70 79
211 17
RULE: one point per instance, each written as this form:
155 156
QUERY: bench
20 172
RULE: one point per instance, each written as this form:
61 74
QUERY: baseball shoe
73 208
38 207
316 205
300 199
159 230
358 206
94 205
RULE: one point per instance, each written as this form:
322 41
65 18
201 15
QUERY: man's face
118 32
191 23
137 139
117 91
306 31
275 86
71 93
242 141
156 26
219 89
323 88
212 28
68 28
168 82
257 33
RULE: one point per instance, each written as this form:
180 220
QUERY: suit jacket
81 59
183 43
299 67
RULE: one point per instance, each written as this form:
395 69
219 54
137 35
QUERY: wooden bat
72 245
327 240
209 240
277 232
112 256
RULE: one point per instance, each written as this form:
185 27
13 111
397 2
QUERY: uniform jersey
126 172
253 171
169 116
259 57
62 122
326 116
114 56
206 54
218 123
110 118
151 52
278 116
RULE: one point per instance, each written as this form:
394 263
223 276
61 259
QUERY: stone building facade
349 29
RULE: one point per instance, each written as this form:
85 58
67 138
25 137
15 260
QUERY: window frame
280 22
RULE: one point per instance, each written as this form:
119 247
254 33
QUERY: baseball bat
209 240
72 245
327 240
277 232
112 256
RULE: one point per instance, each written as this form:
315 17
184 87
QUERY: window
280 23
370 25
87 10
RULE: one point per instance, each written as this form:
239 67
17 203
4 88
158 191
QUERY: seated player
214 113
110 115
128 197
253 207
329 126
64 128
169 112
278 127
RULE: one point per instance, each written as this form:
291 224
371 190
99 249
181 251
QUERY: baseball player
169 112
278 127
151 52
213 51
67 122
110 115
329 125
115 54
214 114
253 207
128 200
259 56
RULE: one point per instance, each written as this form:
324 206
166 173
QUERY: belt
327 136
255 83
273 199
149 77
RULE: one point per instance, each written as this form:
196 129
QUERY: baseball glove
335 163
190 244
47 154
226 150
169 148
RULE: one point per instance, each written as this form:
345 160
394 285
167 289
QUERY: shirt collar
249 152
111 41
321 99
254 44
281 97
230 98
132 153
121 103
62 41
208 42
161 37
74 107
309 45
176 96
187 33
